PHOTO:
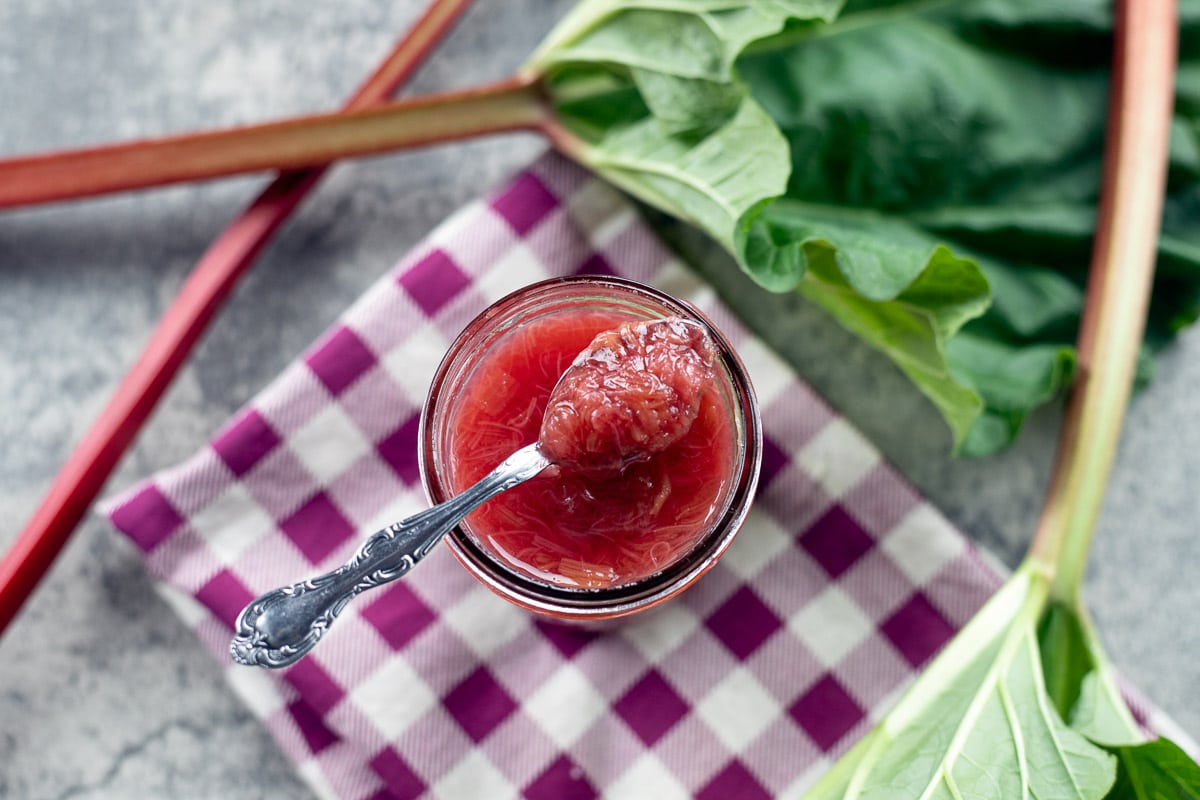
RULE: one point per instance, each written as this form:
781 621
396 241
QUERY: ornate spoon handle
279 627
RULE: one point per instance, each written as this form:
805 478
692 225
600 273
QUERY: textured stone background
103 694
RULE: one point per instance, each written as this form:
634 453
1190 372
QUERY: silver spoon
279 627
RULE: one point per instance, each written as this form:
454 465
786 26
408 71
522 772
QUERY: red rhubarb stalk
509 105
1118 292
210 283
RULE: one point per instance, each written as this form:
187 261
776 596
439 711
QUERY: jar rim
580 603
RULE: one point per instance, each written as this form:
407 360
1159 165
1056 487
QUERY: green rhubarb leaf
648 88
977 724
910 320
709 180
1101 713
1010 377
687 104
697 39
985 720
893 130
1079 678
1157 770
913 124
977 124
1067 658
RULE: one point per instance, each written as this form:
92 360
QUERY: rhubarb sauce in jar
656 442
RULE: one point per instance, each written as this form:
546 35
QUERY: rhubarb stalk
210 283
509 105
1118 293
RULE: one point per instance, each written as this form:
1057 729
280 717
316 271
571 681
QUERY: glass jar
486 401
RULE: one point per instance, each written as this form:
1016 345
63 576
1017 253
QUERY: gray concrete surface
103 693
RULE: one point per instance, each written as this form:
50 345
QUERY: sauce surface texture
589 523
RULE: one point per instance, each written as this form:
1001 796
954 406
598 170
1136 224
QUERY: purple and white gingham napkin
841 585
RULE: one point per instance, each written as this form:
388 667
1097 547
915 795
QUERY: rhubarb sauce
642 444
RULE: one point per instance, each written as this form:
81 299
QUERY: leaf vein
1014 725
1045 711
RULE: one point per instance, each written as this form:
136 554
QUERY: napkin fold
842 584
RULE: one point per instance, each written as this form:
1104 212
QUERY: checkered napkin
842 583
